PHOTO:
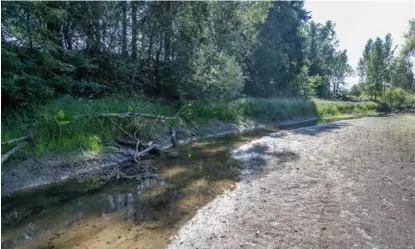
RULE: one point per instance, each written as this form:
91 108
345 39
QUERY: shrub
214 75
399 99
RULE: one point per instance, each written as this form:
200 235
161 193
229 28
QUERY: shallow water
127 214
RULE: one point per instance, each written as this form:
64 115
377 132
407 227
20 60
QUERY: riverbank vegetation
64 64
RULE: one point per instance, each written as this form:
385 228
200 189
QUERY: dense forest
173 50
57 54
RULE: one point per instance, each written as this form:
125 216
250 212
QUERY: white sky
357 21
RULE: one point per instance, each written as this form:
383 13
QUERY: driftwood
137 176
125 141
145 151
10 153
16 140
13 151
136 114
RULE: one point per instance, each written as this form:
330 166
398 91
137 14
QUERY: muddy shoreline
36 174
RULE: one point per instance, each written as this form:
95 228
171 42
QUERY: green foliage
333 108
325 60
278 57
30 75
355 90
399 99
215 75
64 63
384 75
68 123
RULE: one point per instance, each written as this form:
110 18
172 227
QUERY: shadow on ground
322 128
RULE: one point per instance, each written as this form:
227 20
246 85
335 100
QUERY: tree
355 90
173 50
279 56
324 58
124 29
340 70
134 29
375 66
402 74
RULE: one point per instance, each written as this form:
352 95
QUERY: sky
358 21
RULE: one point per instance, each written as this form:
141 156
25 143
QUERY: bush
214 75
333 108
399 99
355 90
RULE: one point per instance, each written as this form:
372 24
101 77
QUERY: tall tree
134 29
340 70
124 29
375 66
279 55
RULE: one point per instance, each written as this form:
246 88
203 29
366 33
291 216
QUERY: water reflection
128 200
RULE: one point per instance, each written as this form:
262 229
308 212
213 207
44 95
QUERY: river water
132 213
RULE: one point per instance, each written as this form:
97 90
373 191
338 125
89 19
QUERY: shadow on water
137 214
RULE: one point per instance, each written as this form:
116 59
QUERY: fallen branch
138 176
171 153
129 142
16 140
10 153
145 151
130 114
119 127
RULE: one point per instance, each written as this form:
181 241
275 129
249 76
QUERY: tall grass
67 123
275 109
327 108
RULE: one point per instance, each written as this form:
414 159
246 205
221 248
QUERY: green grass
275 109
327 108
259 108
68 123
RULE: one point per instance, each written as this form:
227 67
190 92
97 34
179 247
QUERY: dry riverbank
342 185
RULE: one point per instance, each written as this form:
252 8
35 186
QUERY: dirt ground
349 184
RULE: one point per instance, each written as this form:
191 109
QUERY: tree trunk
53 25
124 30
67 37
150 44
29 29
134 5
143 37
157 66
167 30
97 27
